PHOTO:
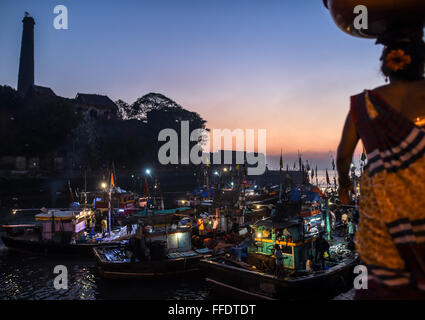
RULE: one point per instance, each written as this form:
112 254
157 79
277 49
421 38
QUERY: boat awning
269 223
169 211
11 226
57 215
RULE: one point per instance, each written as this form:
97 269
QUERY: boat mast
243 194
70 190
111 185
85 189
328 218
280 177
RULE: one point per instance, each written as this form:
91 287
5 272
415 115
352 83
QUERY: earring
386 79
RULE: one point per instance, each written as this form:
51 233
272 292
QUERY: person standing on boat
137 246
129 227
97 221
350 227
91 224
104 226
201 227
344 229
278 255
235 226
322 247
133 248
215 224
309 264
390 122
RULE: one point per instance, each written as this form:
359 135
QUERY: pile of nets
340 251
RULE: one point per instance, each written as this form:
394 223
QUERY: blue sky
275 64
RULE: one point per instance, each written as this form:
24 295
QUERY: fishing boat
170 254
233 279
255 276
255 195
56 232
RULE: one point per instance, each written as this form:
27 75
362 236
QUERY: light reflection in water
31 277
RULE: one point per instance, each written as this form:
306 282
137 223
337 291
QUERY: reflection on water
31 277
26 277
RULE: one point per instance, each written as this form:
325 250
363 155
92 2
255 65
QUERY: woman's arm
345 153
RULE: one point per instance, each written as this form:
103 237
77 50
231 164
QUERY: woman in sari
390 121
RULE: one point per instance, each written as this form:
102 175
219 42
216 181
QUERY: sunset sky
276 64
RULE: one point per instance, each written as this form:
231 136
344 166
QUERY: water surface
24 276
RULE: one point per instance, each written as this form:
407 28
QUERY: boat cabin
68 224
295 244
310 209
176 239
143 202
124 202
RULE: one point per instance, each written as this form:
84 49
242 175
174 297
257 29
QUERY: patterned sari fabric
391 233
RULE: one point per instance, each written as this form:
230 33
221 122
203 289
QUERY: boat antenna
85 188
70 190
111 186
280 176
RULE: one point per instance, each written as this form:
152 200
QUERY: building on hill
96 105
42 91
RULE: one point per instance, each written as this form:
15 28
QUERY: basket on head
382 15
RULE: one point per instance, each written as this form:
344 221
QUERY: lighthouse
26 62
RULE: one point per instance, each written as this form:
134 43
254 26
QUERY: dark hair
408 42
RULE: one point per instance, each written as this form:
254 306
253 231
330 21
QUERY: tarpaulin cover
297 194
203 192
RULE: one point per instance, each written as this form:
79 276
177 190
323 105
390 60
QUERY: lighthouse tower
26 62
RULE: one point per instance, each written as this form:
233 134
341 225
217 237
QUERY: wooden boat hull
222 290
141 275
236 282
146 269
49 248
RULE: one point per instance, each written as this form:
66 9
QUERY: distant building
42 91
96 105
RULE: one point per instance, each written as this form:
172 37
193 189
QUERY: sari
390 238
